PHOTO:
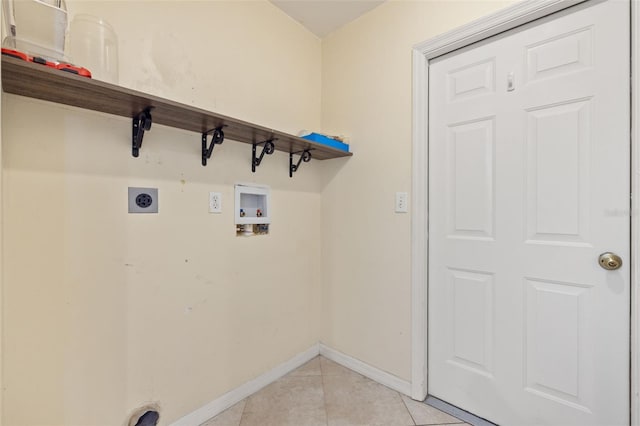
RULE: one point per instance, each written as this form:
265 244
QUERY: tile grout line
243 410
429 424
324 393
407 408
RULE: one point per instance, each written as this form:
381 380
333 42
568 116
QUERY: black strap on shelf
216 139
306 157
141 123
269 148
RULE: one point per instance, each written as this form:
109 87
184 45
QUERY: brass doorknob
610 261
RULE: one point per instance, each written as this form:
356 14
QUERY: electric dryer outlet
143 200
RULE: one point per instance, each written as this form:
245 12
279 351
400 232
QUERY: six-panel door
528 185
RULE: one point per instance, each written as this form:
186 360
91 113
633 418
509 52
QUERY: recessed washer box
143 200
252 204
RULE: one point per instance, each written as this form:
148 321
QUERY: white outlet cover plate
402 200
215 202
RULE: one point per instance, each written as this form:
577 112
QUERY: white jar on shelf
36 27
93 44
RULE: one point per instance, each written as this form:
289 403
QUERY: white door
528 185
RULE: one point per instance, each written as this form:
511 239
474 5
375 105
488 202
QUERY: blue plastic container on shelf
315 137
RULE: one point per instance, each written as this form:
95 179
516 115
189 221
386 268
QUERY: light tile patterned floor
323 393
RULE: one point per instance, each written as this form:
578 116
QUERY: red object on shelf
74 69
15 54
62 66
42 61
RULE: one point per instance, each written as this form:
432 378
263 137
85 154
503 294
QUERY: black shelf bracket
269 148
141 122
306 157
216 139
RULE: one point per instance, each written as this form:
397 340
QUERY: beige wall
104 311
366 93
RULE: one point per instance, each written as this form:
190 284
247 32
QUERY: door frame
511 17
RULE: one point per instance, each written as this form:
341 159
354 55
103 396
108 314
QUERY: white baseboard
236 395
375 374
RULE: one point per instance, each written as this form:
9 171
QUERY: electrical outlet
215 202
401 202
143 200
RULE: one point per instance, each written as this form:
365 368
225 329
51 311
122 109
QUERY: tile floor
323 393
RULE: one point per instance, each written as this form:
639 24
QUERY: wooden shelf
40 82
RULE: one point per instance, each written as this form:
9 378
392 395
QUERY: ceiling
322 17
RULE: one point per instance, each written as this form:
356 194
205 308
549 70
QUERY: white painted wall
366 94
105 311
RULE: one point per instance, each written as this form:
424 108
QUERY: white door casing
481 227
